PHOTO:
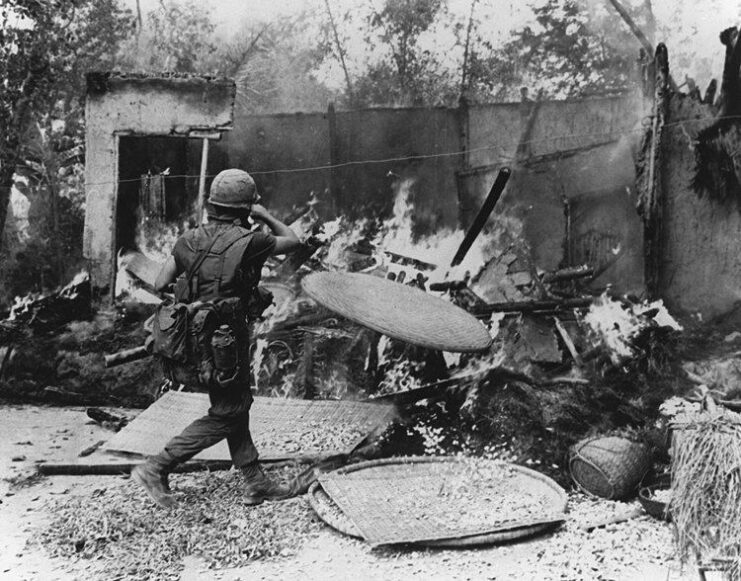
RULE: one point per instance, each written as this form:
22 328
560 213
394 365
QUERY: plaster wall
279 151
579 157
267 145
136 105
288 155
701 241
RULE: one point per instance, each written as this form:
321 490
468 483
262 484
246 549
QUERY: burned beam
480 221
568 274
531 306
126 356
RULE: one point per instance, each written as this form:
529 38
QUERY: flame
437 250
342 235
257 359
614 324
156 240
127 286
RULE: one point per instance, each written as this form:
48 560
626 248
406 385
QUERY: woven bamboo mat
429 499
399 311
281 428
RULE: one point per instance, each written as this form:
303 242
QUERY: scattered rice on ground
128 537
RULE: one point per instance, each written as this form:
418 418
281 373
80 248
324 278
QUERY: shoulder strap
199 260
222 264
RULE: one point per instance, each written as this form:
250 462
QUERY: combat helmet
233 188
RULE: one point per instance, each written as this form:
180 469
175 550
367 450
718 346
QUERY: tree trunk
6 183
10 143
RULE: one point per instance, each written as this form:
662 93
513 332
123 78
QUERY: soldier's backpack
171 321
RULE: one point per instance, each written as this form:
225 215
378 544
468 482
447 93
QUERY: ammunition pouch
196 363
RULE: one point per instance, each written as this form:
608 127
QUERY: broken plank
567 340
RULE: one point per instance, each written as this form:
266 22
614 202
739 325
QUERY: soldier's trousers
228 417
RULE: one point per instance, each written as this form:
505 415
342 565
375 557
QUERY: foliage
575 48
177 36
407 73
45 50
274 65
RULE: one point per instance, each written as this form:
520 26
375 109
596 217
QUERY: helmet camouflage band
233 188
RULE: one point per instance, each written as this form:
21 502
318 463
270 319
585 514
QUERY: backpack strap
230 243
197 263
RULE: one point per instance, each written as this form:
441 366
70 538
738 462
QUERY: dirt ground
640 549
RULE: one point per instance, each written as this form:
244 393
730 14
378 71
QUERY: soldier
216 269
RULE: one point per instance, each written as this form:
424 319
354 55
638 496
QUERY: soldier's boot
152 476
258 487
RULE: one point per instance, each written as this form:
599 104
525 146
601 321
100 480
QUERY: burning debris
595 352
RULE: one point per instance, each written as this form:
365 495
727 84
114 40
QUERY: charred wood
481 218
531 306
649 183
571 273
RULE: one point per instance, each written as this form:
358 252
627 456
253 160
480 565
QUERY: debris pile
568 358
52 350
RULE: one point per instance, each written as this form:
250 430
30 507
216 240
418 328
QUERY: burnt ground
304 547
506 418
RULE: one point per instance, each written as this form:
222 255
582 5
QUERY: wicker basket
609 466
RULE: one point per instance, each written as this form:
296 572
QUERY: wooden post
205 136
202 182
651 202
334 157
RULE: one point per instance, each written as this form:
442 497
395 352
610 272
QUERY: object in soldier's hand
399 311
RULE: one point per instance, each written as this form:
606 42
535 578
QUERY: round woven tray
331 514
399 311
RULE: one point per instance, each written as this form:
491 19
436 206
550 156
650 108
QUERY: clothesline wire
614 135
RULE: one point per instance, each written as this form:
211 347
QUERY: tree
45 50
574 48
407 74
177 37
275 65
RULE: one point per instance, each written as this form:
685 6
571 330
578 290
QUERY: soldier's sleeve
260 248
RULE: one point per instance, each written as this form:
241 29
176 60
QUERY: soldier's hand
258 212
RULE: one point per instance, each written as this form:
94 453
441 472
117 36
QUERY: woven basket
609 466
399 311
428 528
331 514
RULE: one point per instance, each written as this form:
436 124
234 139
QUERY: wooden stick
202 183
529 306
567 341
126 356
480 220
614 519
568 274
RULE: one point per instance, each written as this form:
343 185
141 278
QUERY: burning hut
147 145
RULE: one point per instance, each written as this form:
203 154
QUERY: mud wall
288 155
576 152
120 104
573 181
700 270
569 158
